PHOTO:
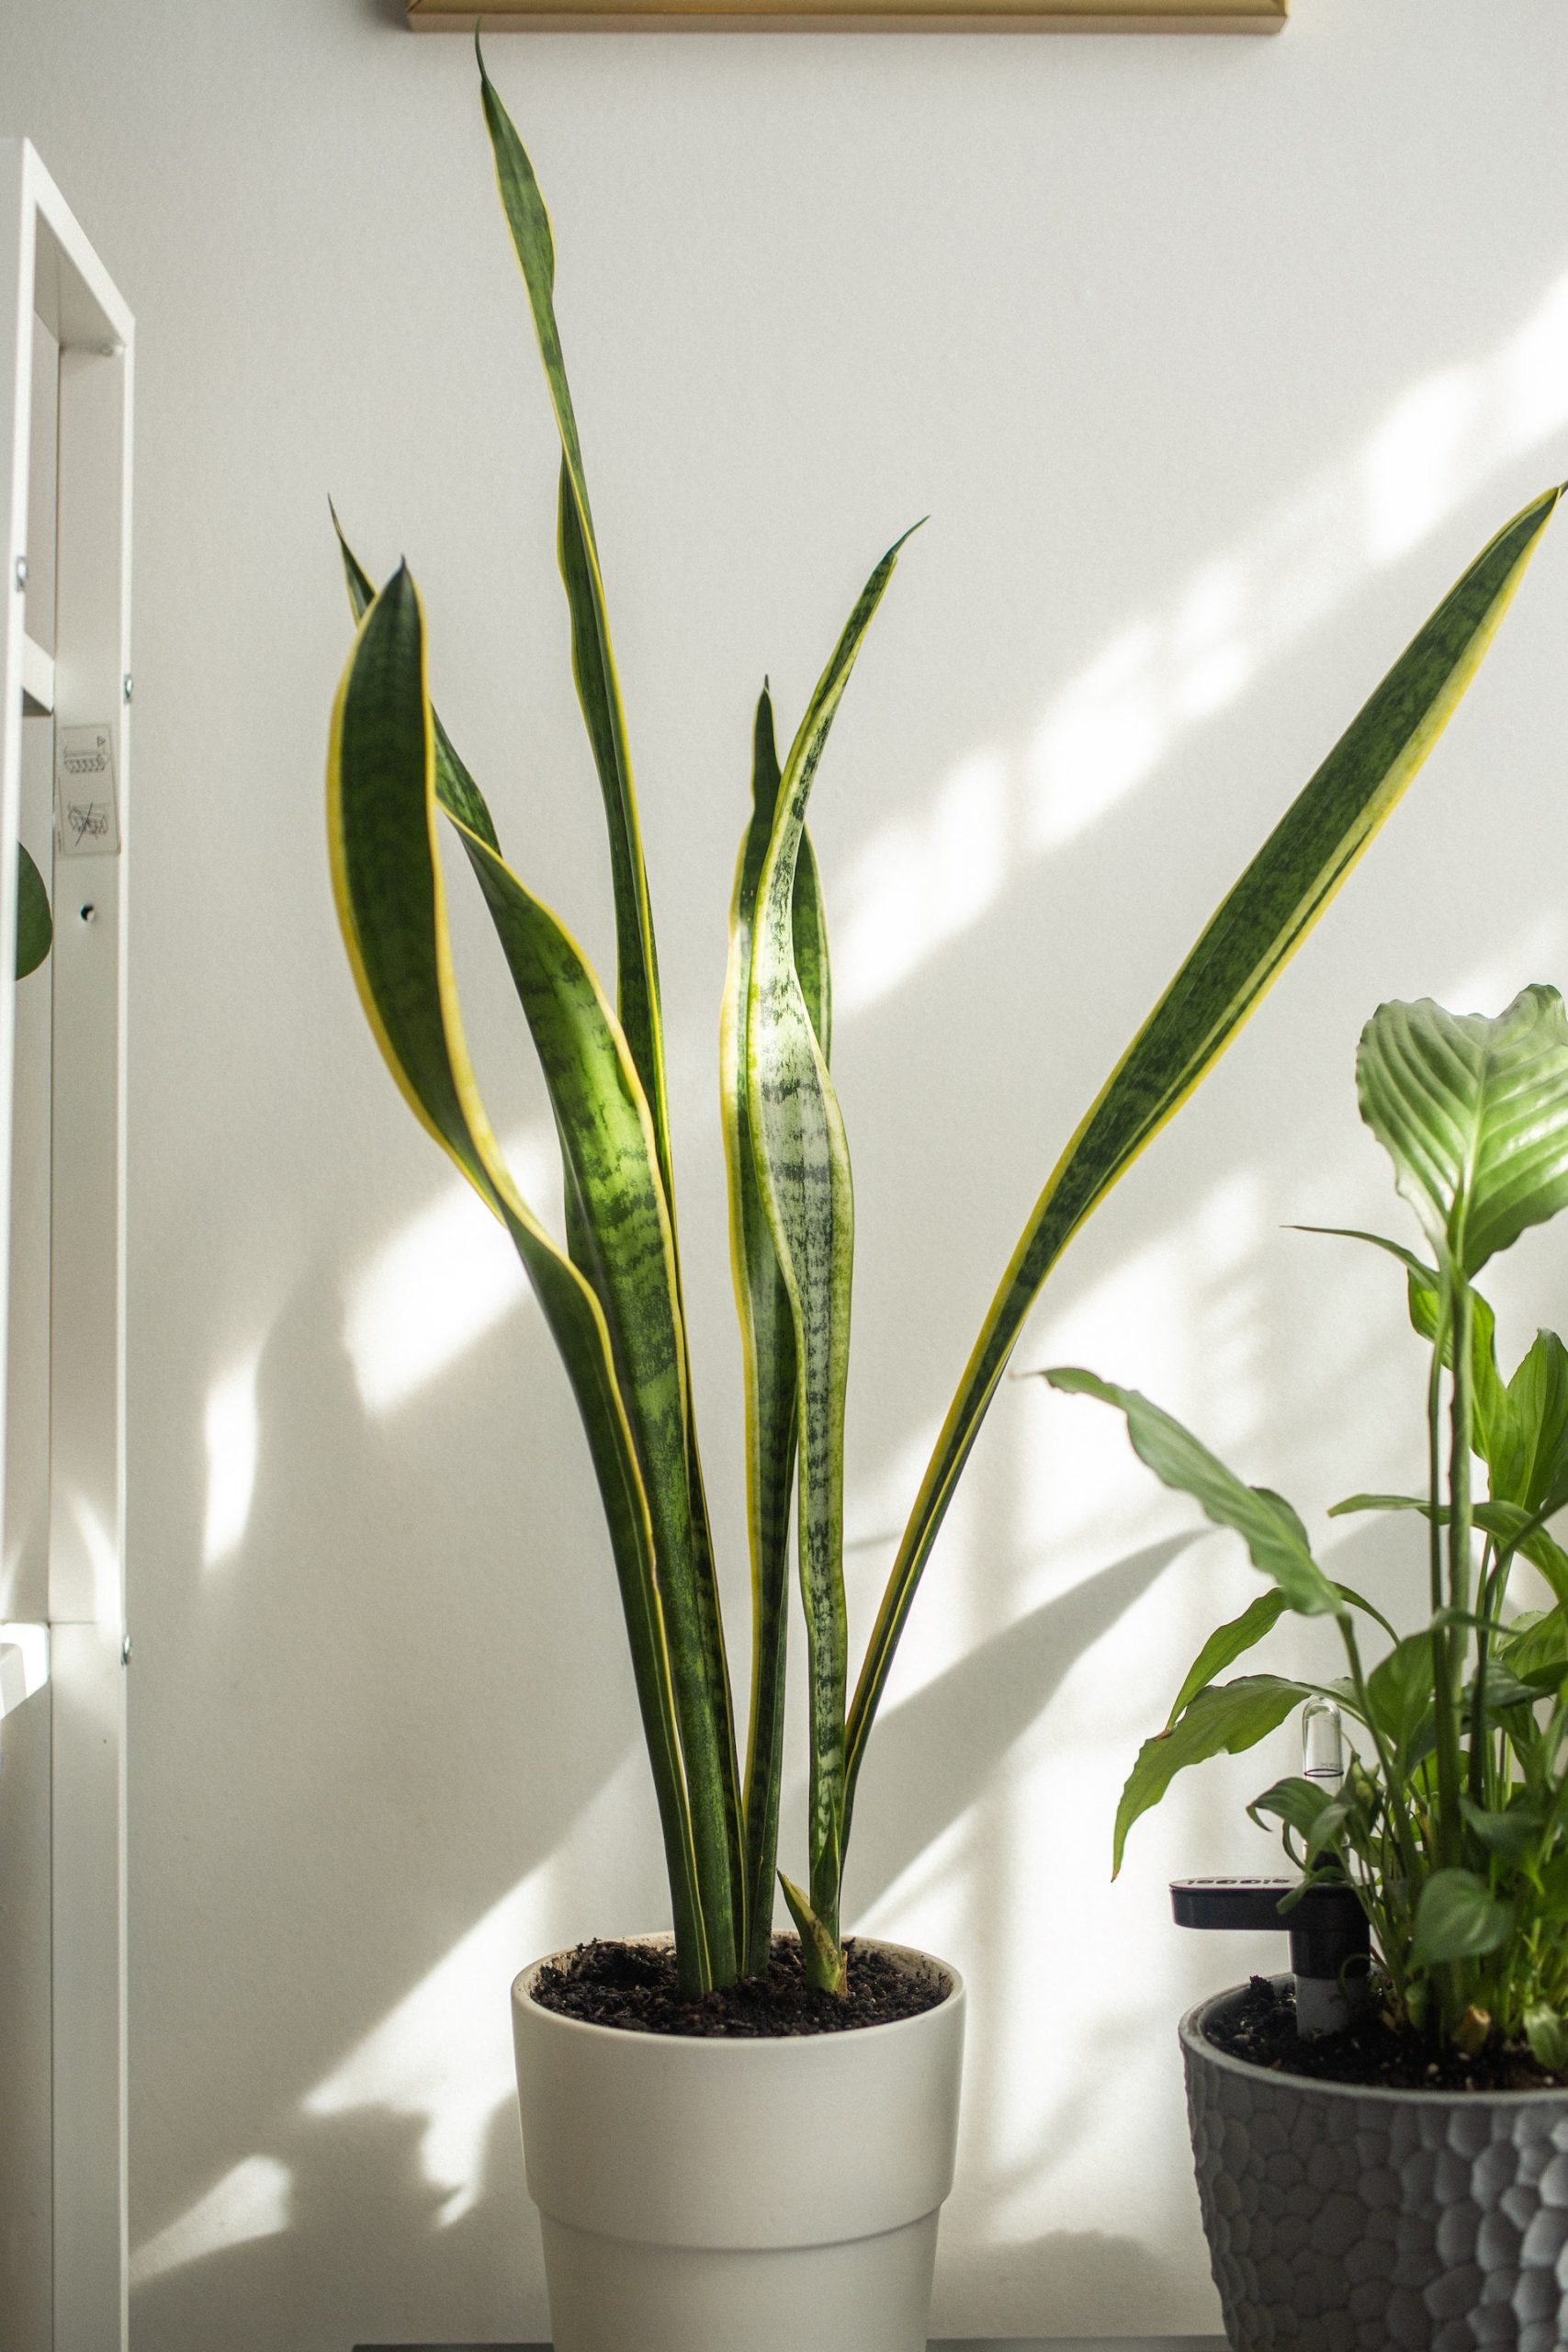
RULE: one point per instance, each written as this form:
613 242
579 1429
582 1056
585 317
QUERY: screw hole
89 914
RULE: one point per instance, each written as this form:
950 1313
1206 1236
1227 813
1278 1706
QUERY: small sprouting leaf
1547 2034
822 1954
1227 1643
1473 1113
1298 1802
1474 2030
1456 1918
1330 1826
1226 1719
1266 1523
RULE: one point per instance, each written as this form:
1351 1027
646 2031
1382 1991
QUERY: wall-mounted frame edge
1035 16
47 269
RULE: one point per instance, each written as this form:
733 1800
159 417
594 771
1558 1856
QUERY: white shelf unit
65 381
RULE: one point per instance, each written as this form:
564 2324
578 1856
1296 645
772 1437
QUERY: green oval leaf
1265 1522
1228 1642
35 924
1456 1918
1474 1112
1223 1719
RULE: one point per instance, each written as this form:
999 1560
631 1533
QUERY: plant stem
1386 1760
1493 1575
1445 1695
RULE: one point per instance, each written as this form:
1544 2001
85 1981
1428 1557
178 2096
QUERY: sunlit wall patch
441 1282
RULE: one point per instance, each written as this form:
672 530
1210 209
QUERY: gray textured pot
1342 2219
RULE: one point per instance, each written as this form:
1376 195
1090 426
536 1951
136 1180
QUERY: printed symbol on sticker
89 821
86 792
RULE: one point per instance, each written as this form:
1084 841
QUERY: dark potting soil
1262 2030
633 1987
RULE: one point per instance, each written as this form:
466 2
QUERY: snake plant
612 1296
1452 1821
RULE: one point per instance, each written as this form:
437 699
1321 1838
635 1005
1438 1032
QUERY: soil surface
1375 2055
633 1987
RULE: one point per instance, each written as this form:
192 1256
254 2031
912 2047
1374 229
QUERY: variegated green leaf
822 1952
455 788
606 1135
592 656
391 911
1239 955
803 1168
767 1328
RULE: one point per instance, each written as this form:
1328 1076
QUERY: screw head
126 686
21 572
125 1650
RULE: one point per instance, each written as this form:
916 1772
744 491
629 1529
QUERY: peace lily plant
612 1297
1451 1822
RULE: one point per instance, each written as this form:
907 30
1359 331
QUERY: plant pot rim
730 2046
1195 2040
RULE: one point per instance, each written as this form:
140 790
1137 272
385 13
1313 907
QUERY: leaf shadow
937 1753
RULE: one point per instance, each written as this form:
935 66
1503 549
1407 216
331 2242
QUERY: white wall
1212 362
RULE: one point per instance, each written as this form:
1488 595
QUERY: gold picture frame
854 16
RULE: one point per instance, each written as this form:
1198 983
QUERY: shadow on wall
349 1576
940 1751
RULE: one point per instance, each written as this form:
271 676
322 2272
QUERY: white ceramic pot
740 2195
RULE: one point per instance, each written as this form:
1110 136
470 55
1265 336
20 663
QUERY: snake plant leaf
822 1952
391 910
803 1168
1227 1644
1474 1112
1223 1719
1458 1919
592 657
1240 953
35 924
767 1328
1266 1523
455 788
606 1134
